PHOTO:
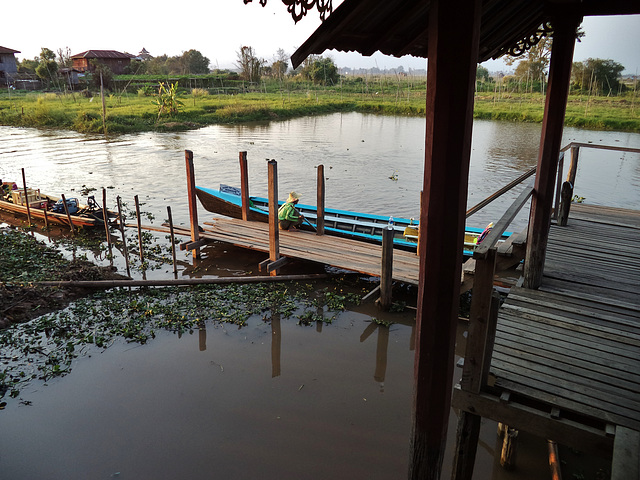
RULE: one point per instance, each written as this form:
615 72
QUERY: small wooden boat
363 226
86 216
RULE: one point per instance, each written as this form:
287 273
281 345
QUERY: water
268 400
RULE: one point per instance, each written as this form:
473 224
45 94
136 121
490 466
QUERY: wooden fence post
320 201
274 232
193 205
244 185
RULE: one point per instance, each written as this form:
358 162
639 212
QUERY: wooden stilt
509 449
193 204
467 436
564 34
449 119
105 219
274 233
66 209
139 222
173 243
320 203
386 272
244 185
125 250
26 197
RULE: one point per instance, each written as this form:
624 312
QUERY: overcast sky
218 28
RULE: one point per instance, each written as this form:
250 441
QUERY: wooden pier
566 358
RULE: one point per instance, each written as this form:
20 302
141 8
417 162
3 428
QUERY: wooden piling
139 221
565 203
573 167
244 185
509 449
274 233
26 197
125 251
66 209
386 272
193 205
320 201
173 243
105 219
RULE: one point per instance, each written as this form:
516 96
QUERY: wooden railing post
573 167
244 185
556 205
320 202
565 204
274 233
193 205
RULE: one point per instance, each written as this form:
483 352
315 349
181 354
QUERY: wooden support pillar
193 204
564 28
386 269
453 54
274 232
320 202
244 185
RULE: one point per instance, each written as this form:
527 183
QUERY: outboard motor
72 206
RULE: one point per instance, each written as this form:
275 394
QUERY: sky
218 28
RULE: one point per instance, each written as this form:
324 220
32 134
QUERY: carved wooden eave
399 27
299 8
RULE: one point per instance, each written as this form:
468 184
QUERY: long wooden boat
85 216
363 226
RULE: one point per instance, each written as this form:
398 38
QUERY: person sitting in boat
288 216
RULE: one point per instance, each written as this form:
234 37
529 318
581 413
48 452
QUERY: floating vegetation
45 347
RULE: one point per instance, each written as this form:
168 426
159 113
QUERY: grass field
130 112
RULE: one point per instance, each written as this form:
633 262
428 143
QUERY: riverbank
128 113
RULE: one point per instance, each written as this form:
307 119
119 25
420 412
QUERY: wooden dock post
244 185
66 209
274 232
141 253
573 167
386 272
320 201
193 205
105 219
125 251
173 242
26 198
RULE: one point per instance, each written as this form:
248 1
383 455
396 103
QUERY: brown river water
269 400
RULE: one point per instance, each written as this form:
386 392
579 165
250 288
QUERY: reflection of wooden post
202 336
274 233
173 243
125 251
320 203
381 353
26 197
276 341
386 274
193 205
244 185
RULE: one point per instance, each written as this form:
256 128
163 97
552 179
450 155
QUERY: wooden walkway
566 358
344 253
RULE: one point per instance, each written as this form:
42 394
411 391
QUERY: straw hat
293 196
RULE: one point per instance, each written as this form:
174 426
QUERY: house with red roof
116 61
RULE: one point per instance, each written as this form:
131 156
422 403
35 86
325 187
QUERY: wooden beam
193 245
552 125
454 30
626 455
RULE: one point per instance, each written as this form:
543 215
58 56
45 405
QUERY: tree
280 64
249 64
321 70
47 69
64 58
98 69
597 75
28 66
482 74
194 62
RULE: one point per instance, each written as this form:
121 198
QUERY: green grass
130 112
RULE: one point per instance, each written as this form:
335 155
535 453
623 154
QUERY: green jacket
288 212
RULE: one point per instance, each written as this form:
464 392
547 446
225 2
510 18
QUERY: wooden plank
626 455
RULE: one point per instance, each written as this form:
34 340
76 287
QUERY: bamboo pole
125 251
66 209
182 281
26 197
139 221
173 242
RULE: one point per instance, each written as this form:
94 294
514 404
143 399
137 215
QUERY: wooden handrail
496 232
601 147
500 192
